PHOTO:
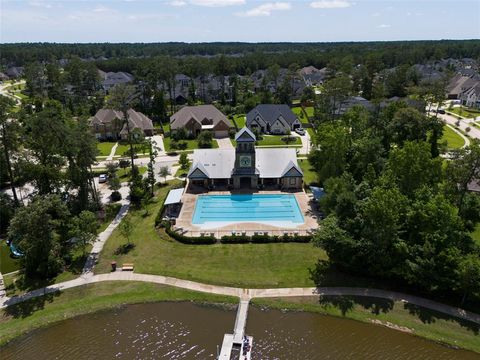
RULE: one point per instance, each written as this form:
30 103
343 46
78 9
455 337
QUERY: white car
300 131
102 178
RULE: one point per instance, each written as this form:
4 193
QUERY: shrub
205 140
235 239
115 196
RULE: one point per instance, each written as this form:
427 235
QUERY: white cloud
40 4
330 4
177 3
101 8
266 9
217 3
376 14
383 26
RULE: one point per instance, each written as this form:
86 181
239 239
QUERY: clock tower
245 174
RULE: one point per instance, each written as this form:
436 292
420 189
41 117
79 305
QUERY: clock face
245 161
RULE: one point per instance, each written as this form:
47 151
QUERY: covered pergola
173 202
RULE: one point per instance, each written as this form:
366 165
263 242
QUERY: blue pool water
275 209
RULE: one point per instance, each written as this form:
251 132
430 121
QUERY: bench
127 267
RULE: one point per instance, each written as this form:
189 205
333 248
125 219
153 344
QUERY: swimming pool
274 209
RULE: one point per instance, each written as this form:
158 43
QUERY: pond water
189 331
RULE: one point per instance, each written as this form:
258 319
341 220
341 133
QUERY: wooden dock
227 346
240 322
236 339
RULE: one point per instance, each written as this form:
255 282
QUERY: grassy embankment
454 141
397 315
40 312
465 112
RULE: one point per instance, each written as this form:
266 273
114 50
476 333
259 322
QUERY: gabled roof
245 135
271 113
198 113
213 163
136 119
292 169
174 196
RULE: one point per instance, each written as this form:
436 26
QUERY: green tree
469 276
126 228
204 139
9 133
164 172
40 232
409 124
183 161
86 229
151 172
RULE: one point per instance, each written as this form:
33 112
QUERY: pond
190 331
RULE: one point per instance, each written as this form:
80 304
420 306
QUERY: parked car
441 111
300 131
102 178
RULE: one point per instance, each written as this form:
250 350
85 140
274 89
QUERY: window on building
293 181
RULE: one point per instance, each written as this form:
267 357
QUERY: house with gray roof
313 76
110 79
246 167
194 119
108 124
272 119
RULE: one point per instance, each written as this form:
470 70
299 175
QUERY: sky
81 21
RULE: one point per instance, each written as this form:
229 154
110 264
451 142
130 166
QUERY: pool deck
184 220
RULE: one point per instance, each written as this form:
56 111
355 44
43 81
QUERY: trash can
114 265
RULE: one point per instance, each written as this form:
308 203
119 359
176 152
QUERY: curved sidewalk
246 293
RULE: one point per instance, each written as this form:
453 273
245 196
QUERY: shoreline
92 298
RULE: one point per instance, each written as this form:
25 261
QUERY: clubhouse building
246 167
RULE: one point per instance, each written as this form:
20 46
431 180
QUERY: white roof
275 162
207 127
174 196
217 163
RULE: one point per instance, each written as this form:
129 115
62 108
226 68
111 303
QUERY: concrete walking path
245 293
101 239
224 143
112 152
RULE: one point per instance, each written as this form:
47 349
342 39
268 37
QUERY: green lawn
301 114
44 311
454 141
269 140
239 120
310 111
309 175
252 265
191 144
122 148
425 323
465 112
7 263
105 147
124 174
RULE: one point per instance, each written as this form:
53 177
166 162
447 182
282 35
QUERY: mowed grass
240 265
104 148
422 322
465 112
276 140
191 144
454 141
40 312
309 174
7 262
476 235
240 120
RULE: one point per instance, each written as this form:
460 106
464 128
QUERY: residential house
194 119
272 119
458 84
246 167
313 76
471 96
108 124
110 79
14 72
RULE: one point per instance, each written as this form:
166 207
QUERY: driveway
306 142
224 143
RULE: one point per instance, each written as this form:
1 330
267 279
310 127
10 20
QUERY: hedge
243 239
191 240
